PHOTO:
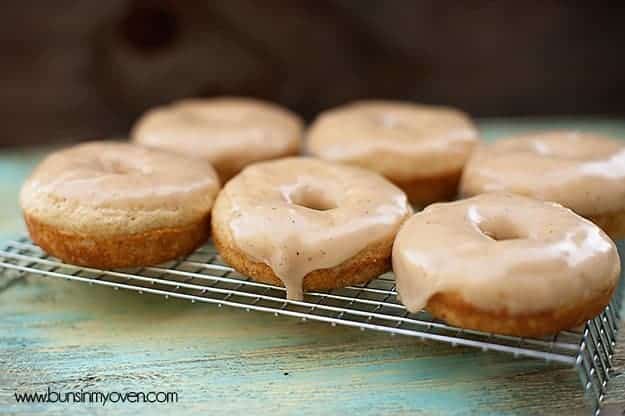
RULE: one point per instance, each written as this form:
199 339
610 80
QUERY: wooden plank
70 336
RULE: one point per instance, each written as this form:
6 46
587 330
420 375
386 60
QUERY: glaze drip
298 215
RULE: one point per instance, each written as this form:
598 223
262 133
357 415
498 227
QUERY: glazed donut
110 204
308 224
582 171
229 132
505 263
422 149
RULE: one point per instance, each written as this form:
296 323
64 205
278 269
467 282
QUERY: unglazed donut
505 263
582 171
109 204
308 224
229 132
422 149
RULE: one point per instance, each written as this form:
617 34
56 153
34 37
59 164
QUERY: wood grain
71 336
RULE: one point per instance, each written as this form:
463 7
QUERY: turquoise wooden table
66 336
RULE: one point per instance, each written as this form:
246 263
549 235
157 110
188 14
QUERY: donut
421 149
110 204
505 263
308 224
229 132
582 171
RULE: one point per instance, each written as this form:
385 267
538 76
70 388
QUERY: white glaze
229 132
271 221
102 186
400 140
582 171
503 252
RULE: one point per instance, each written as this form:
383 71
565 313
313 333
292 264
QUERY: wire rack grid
203 277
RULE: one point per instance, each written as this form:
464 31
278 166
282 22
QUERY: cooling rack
203 277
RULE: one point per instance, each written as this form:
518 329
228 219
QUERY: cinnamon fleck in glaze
503 252
298 215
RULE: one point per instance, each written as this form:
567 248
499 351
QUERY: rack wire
203 277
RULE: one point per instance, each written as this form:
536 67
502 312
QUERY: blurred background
76 70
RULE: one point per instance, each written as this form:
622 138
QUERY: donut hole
312 198
501 229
